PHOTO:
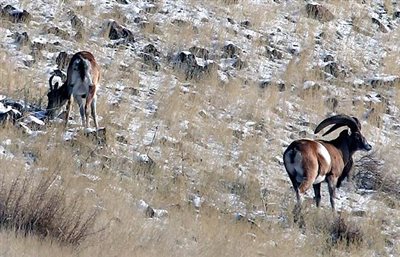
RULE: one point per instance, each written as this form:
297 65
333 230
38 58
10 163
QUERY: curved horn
52 87
357 122
338 125
60 74
339 121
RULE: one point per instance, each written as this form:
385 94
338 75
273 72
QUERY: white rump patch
324 153
319 179
81 87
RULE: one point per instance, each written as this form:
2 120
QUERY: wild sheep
310 162
82 81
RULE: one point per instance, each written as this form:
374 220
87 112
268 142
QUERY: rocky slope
214 91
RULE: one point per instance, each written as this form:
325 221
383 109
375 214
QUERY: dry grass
335 234
38 202
203 146
16 82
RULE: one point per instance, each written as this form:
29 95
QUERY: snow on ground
286 39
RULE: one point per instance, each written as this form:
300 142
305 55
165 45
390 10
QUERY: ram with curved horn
57 96
82 82
311 162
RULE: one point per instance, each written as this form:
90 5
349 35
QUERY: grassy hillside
192 165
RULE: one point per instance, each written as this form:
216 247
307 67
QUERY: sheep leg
317 192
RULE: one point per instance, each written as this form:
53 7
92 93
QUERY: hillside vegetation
198 99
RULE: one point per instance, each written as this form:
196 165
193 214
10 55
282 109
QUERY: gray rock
15 15
8 113
273 53
281 86
187 63
152 50
319 12
76 23
199 52
151 61
150 213
239 63
62 60
58 32
122 1
116 31
335 70
382 28
99 136
383 81
245 24
230 51
22 39
151 8
329 58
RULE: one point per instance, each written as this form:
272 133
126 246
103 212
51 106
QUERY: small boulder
199 52
116 31
383 81
246 24
334 69
151 8
230 50
15 15
22 39
281 86
239 63
273 53
76 23
38 46
32 123
58 32
152 50
8 113
193 68
319 12
381 27
150 56
63 60
151 61
99 136
122 1
329 58
180 23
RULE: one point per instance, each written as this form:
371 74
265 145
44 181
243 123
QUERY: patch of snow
4 154
33 119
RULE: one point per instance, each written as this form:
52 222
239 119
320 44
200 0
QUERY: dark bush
370 174
37 204
342 231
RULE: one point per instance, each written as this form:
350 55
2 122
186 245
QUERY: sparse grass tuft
345 232
330 233
370 175
217 137
33 204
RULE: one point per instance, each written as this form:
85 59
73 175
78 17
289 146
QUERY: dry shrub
333 231
345 231
369 174
36 204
